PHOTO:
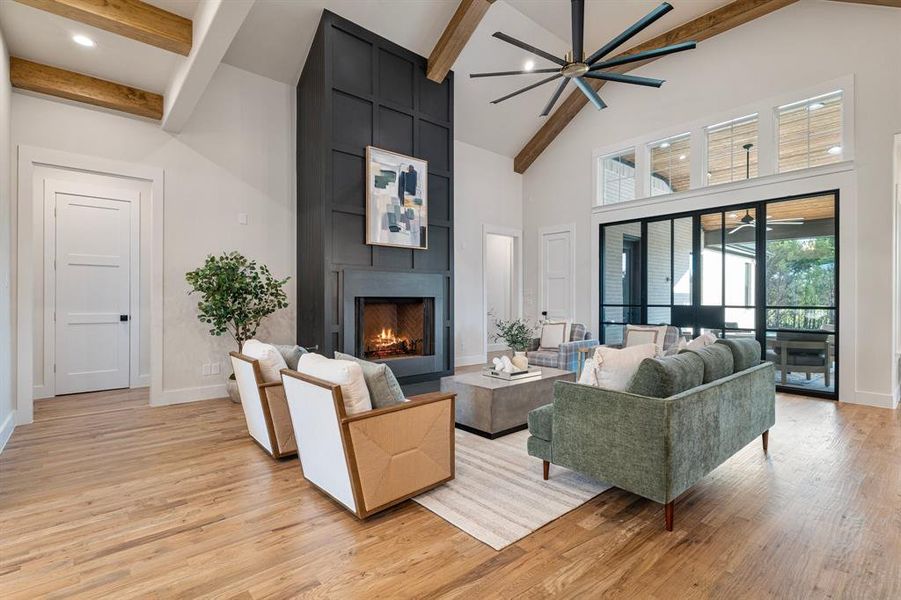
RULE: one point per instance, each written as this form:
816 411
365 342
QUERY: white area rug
498 495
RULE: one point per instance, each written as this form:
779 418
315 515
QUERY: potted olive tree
236 294
517 334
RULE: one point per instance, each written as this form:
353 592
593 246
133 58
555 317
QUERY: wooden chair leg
668 514
766 440
547 468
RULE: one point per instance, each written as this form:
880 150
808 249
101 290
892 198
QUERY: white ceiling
276 36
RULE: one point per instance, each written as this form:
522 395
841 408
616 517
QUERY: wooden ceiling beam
458 31
704 27
129 18
890 3
35 77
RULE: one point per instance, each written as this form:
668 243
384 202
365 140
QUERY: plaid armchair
565 357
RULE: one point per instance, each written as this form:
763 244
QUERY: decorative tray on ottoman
515 375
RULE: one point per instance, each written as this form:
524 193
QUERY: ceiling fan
576 67
749 221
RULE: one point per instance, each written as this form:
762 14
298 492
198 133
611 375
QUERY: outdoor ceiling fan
577 67
749 221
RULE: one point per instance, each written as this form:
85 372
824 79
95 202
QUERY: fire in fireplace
389 328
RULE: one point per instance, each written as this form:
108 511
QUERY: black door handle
123 318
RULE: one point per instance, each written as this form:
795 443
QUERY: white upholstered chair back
247 374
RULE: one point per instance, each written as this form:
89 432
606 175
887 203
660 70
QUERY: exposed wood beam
704 27
27 75
891 3
458 31
130 18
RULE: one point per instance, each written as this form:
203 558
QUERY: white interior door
557 273
500 283
92 284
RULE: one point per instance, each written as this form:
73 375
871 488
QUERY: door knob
123 318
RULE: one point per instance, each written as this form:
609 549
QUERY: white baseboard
873 399
141 381
40 392
192 394
6 429
473 359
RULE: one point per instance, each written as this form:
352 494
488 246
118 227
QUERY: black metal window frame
760 307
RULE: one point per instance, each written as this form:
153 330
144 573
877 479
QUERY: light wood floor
104 496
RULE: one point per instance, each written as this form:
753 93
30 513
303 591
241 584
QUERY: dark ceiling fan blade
639 56
624 78
536 51
550 104
578 29
742 226
503 73
590 93
629 33
527 88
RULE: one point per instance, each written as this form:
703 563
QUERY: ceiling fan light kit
574 66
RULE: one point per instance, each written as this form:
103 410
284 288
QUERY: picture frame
396 200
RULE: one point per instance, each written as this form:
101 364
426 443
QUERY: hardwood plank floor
104 496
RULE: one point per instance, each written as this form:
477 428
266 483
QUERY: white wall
235 155
796 47
7 418
486 192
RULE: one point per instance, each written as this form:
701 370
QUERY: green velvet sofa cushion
540 421
667 376
718 361
745 352
384 389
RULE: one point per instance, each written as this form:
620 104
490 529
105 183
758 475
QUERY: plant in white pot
236 294
517 334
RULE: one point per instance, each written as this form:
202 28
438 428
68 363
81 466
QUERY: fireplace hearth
391 328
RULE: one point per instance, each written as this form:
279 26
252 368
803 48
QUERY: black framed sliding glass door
767 270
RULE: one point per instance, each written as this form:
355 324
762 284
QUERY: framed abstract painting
397 200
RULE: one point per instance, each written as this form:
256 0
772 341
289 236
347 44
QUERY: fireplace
392 328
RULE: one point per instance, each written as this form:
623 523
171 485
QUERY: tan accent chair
372 460
265 408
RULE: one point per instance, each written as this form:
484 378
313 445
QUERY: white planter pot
520 360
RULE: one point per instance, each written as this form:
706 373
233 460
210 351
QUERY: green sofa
680 418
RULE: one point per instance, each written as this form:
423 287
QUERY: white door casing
92 246
515 283
557 277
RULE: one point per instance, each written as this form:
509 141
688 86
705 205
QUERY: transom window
810 132
670 165
732 150
616 177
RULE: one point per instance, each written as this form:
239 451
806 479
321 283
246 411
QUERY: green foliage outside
800 272
236 294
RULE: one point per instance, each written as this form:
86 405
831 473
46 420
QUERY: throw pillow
718 362
637 335
676 348
589 375
614 367
346 373
271 362
384 390
667 376
745 352
290 353
705 339
554 334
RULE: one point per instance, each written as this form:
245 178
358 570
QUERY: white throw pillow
346 373
270 359
705 339
637 335
554 334
614 367
589 374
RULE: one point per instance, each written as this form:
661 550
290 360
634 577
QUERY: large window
616 177
670 165
732 150
764 270
810 132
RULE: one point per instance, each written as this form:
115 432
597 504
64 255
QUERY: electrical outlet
205 369
214 368
242 218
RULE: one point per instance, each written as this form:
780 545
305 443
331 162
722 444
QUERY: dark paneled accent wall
359 89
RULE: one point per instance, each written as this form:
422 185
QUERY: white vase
520 360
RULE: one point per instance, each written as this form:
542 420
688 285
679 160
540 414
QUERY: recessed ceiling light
816 106
83 40
664 145
681 157
528 65
834 150
733 215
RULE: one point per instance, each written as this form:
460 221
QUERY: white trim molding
6 428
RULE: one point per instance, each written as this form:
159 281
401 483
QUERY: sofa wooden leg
547 468
668 514
766 440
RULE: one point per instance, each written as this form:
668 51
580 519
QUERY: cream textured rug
498 496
